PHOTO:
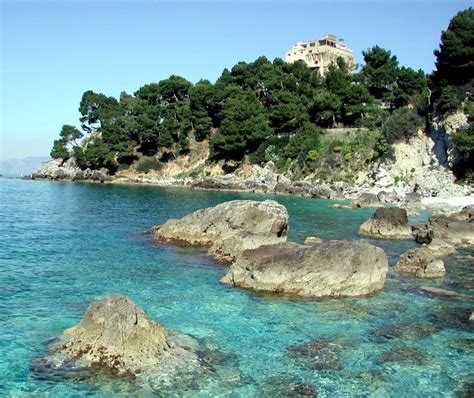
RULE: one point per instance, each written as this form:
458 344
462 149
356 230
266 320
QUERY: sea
65 245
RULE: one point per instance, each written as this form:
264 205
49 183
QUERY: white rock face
418 167
229 228
329 269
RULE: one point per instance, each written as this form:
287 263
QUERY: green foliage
306 140
379 71
402 124
448 100
59 150
455 57
243 129
382 150
463 141
147 164
70 134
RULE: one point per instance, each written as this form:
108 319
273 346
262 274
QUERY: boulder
312 240
420 263
387 223
456 229
332 268
116 338
366 200
117 334
229 228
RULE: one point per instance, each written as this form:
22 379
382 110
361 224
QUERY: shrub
147 164
402 124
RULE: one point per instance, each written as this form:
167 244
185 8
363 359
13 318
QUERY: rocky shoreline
266 181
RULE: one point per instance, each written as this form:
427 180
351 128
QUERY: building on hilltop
321 53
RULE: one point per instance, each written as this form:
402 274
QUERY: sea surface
65 245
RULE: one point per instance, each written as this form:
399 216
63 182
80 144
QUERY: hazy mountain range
19 167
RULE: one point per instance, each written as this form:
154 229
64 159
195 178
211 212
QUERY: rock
406 331
116 338
312 240
332 268
321 354
366 200
456 229
413 356
423 235
387 223
229 228
436 291
420 263
116 333
286 386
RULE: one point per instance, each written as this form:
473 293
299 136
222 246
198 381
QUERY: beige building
321 53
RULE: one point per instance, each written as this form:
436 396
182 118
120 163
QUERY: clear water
65 245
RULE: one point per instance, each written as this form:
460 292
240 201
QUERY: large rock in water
116 338
332 268
420 263
387 223
117 334
229 228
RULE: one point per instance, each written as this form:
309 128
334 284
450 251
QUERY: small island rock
229 228
387 223
332 268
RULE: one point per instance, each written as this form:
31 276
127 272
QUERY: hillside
385 122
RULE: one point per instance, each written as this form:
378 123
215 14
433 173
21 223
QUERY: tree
380 71
59 150
243 129
70 134
325 109
455 57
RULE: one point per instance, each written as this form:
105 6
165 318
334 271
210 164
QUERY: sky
53 51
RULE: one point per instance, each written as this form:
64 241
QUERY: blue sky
53 51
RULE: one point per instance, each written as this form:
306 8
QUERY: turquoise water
65 245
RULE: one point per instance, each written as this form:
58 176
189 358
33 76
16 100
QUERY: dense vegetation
277 111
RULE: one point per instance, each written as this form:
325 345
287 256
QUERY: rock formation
387 223
332 268
366 200
229 228
116 338
420 263
116 333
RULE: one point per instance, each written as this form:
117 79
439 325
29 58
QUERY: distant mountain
19 167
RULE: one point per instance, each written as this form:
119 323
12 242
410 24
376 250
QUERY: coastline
232 183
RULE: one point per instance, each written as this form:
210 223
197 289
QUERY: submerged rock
332 268
229 228
387 223
410 355
436 291
320 354
420 263
405 331
116 337
286 386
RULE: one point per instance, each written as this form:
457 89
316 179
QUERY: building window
312 44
